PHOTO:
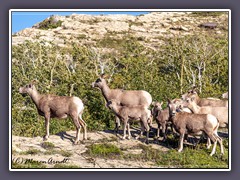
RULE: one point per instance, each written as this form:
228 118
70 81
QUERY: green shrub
49 23
104 150
166 73
206 13
48 145
65 153
31 151
66 166
28 165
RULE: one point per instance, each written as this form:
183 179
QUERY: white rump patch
148 97
212 119
148 112
79 103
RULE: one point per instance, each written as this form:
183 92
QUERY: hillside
150 29
164 53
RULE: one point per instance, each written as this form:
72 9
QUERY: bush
50 23
104 150
210 13
166 73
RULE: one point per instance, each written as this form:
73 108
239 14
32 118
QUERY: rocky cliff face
150 29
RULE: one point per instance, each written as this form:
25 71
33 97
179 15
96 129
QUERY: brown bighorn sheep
125 97
179 104
187 123
221 113
204 101
162 116
126 113
52 106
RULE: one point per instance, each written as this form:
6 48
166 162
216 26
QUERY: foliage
50 23
104 150
61 152
190 157
207 13
48 145
28 165
66 166
166 73
31 151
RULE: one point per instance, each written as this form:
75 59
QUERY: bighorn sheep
52 106
125 97
179 105
187 123
162 116
204 101
221 113
126 113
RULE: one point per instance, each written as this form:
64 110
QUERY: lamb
221 113
127 113
125 97
52 106
204 101
162 118
187 123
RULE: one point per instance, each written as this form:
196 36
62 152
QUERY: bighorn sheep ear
169 101
180 106
34 81
154 103
104 76
194 90
194 87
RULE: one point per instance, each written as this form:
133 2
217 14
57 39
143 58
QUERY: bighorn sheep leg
47 119
84 125
180 148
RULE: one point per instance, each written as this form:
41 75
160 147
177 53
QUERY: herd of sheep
189 115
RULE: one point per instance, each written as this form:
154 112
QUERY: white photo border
116 10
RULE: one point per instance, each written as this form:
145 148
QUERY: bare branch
52 70
97 61
71 90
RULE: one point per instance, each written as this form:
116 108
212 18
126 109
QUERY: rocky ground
59 150
150 29
64 151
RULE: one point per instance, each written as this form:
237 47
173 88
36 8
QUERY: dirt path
64 152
